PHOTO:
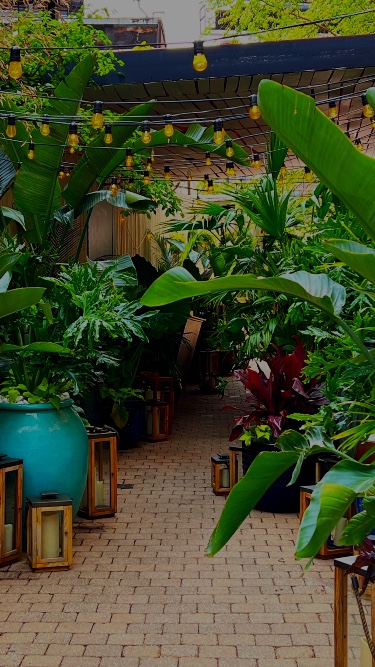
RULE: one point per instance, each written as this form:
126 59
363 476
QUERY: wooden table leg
341 618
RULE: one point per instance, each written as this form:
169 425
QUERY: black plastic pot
130 435
279 498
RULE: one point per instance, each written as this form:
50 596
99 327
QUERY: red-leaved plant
271 400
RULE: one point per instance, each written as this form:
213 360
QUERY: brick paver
142 593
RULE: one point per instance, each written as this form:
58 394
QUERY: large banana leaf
37 190
360 258
18 299
265 469
100 160
7 261
323 147
332 496
317 289
196 136
123 199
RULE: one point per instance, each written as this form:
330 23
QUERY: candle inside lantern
366 658
224 477
8 537
50 535
99 492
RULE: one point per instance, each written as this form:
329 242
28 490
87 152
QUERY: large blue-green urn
53 445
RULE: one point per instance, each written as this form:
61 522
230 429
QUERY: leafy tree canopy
259 15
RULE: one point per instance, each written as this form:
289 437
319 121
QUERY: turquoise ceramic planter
53 445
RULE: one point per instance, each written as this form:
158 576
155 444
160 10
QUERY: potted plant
270 400
127 414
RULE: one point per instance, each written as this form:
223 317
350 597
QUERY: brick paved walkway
141 592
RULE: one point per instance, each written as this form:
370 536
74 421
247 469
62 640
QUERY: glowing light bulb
210 187
73 138
200 61
152 156
229 152
168 127
145 132
11 130
67 172
208 159
205 179
108 137
129 159
45 128
167 173
254 111
230 170
113 186
367 109
15 65
219 132
358 145
61 174
332 110
72 150
283 170
256 161
31 151
146 178
309 176
98 118
189 177
149 164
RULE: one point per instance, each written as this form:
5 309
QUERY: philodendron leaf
360 258
323 147
265 469
317 289
331 498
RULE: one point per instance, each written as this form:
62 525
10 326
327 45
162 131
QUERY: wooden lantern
220 477
328 550
49 531
157 420
100 496
11 472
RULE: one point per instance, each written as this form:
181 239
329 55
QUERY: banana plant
349 175
15 300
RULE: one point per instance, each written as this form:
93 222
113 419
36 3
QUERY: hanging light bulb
206 178
108 137
208 159
200 62
73 138
152 156
45 128
97 118
146 178
67 172
254 111
332 109
15 65
31 151
11 130
168 127
210 187
358 144
113 186
189 177
149 164
256 161
130 182
367 109
283 169
309 177
61 174
129 159
72 150
231 169
228 168
219 132
167 173
229 152
145 132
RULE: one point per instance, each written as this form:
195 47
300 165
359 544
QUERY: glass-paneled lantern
220 478
11 471
100 496
49 531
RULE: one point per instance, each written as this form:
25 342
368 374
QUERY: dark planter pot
280 498
130 435
92 405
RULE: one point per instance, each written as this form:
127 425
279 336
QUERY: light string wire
127 47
